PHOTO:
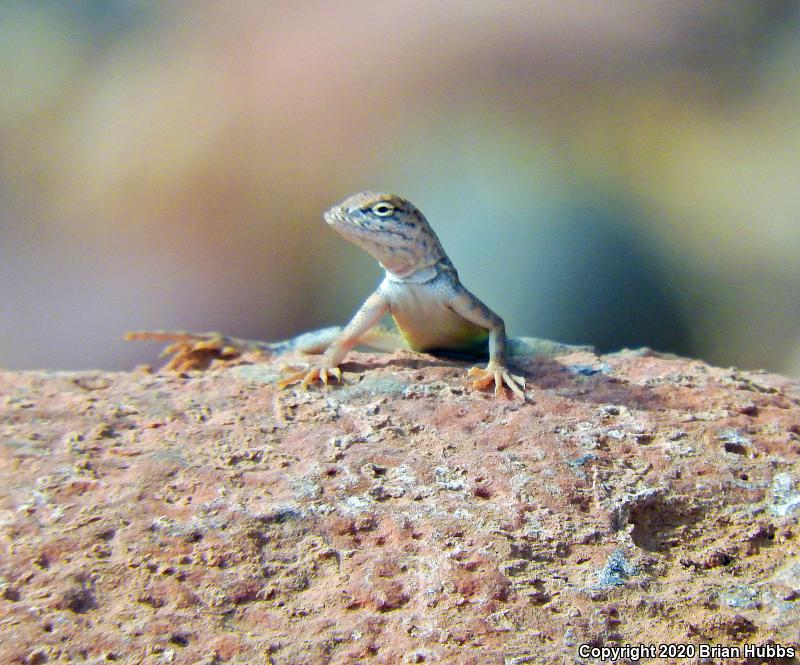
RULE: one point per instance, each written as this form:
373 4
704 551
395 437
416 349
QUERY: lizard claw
329 373
501 377
306 378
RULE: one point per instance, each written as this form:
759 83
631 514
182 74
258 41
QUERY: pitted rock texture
209 517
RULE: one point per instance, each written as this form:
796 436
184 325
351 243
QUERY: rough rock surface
208 517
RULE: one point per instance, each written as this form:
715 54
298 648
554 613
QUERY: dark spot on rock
280 515
482 491
194 537
10 593
78 600
539 594
735 442
739 626
736 448
36 657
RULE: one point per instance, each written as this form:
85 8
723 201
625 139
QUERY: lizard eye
383 209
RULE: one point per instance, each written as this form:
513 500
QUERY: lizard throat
403 262
416 275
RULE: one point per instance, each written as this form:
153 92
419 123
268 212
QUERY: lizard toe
291 379
483 377
515 383
501 379
307 378
311 376
499 391
328 374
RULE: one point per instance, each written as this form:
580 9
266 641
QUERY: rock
401 518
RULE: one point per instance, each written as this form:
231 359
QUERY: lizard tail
531 347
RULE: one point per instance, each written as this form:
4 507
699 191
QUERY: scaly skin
421 290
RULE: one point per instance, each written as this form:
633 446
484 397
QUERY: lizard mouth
333 216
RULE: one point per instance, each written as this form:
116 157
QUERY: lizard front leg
473 310
365 318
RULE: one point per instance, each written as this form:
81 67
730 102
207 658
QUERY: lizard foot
500 376
191 351
306 378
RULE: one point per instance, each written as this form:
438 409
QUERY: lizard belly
428 324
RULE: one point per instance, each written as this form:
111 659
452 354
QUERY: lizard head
390 228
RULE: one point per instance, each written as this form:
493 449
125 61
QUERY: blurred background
621 174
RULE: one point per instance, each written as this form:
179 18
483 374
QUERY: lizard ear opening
383 209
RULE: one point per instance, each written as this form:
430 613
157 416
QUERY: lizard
421 290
